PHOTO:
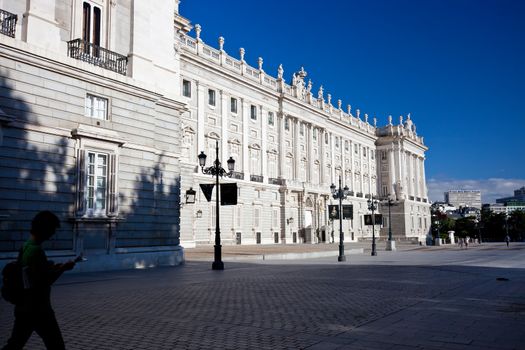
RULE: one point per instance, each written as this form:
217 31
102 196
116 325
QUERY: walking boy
34 311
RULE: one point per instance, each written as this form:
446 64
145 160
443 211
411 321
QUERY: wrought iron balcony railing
98 56
8 23
256 178
275 181
237 175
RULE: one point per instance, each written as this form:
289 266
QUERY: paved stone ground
424 298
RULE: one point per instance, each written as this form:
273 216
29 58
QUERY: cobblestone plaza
415 298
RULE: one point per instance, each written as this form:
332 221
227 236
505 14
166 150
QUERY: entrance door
238 238
276 237
258 237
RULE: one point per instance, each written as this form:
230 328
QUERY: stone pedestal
391 245
438 241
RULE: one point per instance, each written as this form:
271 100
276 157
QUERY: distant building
464 198
519 197
498 208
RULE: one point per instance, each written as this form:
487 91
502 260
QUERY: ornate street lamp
372 205
217 170
390 244
340 193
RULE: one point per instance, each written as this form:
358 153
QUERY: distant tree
466 227
517 225
494 228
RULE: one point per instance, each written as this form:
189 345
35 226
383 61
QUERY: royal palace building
103 126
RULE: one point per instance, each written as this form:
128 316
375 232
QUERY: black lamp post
340 193
391 244
217 170
372 205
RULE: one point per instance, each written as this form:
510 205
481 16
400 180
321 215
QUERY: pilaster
245 109
201 92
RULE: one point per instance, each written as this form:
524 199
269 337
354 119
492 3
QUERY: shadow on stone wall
35 170
38 171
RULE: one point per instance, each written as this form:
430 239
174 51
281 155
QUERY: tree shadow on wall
37 169
151 215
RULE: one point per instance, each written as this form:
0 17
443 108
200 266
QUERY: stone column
322 161
245 108
352 175
297 158
201 105
332 158
264 146
423 177
391 171
282 146
224 128
310 145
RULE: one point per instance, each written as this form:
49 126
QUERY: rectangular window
347 146
96 182
270 119
91 27
315 134
326 139
253 112
233 105
372 154
301 129
211 97
96 107
256 217
287 124
239 216
336 142
213 212
364 152
383 155
275 218
356 149
186 88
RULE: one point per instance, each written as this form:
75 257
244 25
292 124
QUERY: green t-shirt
33 254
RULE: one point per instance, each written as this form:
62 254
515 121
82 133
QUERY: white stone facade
103 125
90 134
289 146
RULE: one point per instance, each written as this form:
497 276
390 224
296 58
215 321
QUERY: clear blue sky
458 66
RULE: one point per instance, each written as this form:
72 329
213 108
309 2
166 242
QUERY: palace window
96 107
91 23
336 142
315 134
211 97
301 129
271 119
364 152
186 88
383 155
356 149
287 124
97 189
372 154
253 112
347 146
256 217
326 139
233 105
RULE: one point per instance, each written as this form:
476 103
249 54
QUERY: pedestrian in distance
466 242
507 240
460 242
33 312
